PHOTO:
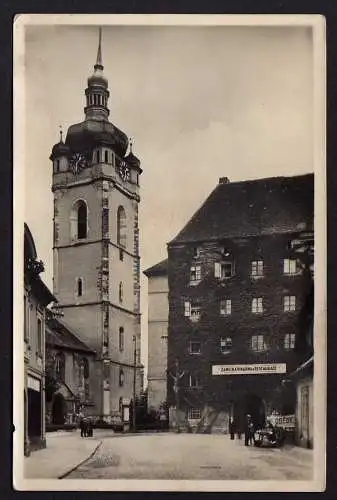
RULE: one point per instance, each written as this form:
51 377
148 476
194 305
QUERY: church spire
99 63
97 91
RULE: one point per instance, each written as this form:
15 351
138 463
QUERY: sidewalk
64 452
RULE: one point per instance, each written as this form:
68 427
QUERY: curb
65 474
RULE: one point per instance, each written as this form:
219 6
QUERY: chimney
223 180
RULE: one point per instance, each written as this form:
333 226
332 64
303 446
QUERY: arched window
97 156
121 227
85 364
121 377
79 287
106 156
121 405
120 292
82 220
121 339
79 220
60 366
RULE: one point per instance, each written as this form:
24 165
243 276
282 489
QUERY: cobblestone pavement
186 456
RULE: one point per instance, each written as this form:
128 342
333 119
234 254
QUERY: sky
200 103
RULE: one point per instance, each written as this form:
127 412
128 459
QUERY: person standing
231 427
249 430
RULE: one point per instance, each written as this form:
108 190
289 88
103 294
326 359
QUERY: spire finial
61 133
99 63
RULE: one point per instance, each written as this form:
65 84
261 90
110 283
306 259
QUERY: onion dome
59 149
132 160
87 135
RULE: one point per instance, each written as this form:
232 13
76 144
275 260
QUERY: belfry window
106 156
97 156
82 220
79 220
121 227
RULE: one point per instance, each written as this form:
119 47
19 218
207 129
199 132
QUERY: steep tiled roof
59 334
159 269
255 207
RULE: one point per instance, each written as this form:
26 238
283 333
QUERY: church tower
96 246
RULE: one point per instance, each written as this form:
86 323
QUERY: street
192 456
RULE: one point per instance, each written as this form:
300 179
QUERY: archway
58 409
252 405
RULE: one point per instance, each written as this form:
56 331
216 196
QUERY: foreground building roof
252 208
59 334
159 269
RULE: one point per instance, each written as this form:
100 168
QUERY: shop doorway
58 409
34 414
253 405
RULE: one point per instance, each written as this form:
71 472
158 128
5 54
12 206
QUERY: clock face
78 162
124 171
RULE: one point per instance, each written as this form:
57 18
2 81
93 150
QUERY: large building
96 245
236 288
36 298
157 334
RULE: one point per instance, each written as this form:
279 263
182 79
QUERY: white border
317 23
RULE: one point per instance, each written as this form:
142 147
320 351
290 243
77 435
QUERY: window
121 339
81 220
60 366
97 156
79 287
121 254
289 266
289 341
257 305
193 310
195 347
39 336
194 413
57 165
224 269
120 292
121 378
257 268
106 156
225 307
195 273
194 381
121 227
289 303
196 252
225 344
258 343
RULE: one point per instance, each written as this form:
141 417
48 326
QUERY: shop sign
285 421
33 383
254 369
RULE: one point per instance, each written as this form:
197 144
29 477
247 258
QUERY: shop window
194 413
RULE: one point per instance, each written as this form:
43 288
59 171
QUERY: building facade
157 334
69 365
235 292
36 298
96 245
